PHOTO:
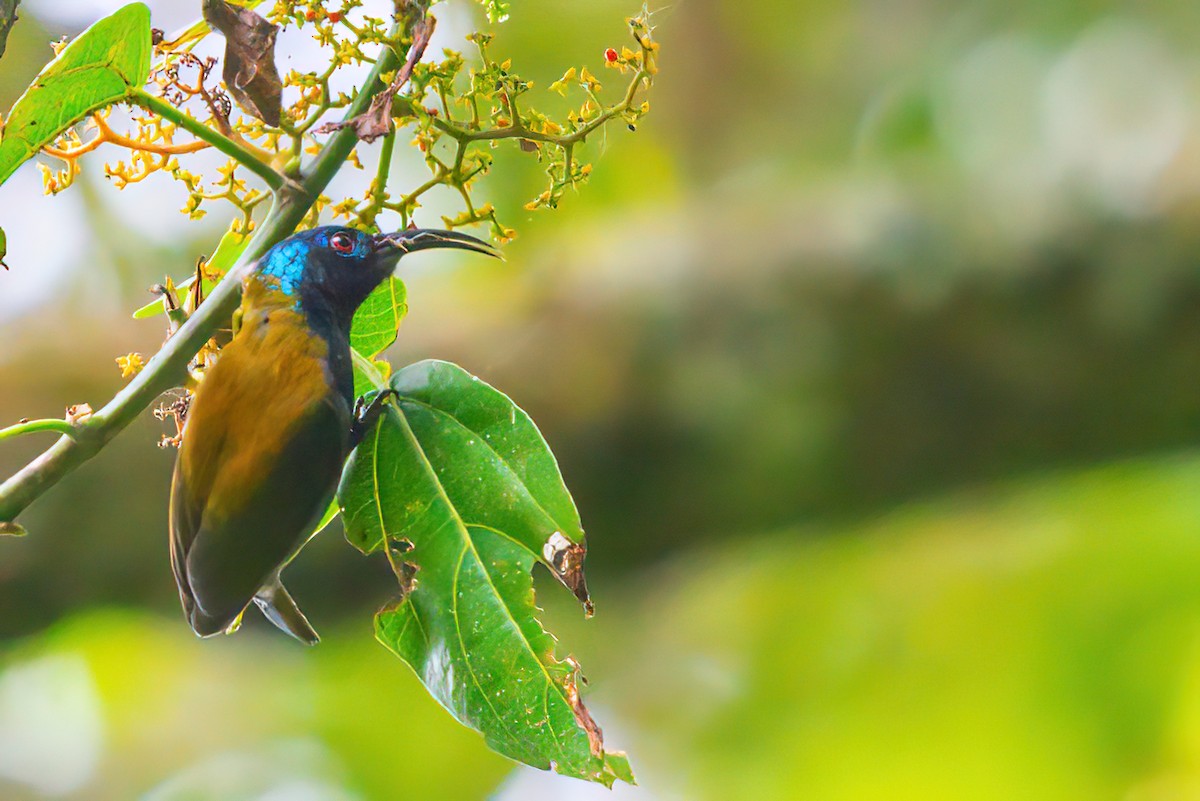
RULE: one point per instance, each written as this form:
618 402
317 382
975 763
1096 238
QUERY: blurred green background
871 359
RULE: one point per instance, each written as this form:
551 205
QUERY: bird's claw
366 414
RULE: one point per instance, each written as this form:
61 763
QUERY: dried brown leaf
249 70
376 121
566 560
586 721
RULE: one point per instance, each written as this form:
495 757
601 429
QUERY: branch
32 426
105 134
517 130
229 147
168 368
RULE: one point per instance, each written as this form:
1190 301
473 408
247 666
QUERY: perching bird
273 421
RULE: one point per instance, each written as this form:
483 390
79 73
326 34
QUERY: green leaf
457 486
229 249
368 375
99 68
378 318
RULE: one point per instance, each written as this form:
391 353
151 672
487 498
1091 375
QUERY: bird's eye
341 242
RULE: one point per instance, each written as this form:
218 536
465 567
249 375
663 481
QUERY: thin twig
33 426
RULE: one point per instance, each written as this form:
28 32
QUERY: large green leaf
378 318
459 488
99 68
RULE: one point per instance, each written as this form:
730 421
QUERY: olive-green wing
241 509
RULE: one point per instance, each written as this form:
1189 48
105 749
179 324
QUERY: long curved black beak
414 239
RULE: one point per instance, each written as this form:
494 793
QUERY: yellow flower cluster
473 113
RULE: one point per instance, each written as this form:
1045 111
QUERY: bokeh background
871 359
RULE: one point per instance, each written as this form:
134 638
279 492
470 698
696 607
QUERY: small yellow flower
588 79
131 364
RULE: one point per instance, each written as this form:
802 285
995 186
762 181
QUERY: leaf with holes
458 488
101 67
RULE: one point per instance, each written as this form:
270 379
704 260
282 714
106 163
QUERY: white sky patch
47 242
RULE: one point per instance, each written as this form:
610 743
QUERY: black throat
331 321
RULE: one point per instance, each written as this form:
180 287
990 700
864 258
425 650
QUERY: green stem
382 171
515 130
168 367
32 426
201 131
385 161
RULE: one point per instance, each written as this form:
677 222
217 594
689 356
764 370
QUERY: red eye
342 243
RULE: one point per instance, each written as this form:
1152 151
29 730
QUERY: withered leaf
373 123
249 70
582 716
565 558
376 121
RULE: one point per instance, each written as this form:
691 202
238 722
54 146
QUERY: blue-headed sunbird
273 421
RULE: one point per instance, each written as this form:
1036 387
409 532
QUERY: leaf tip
565 559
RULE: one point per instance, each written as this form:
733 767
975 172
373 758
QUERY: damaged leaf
249 70
456 470
100 67
376 121
565 559
373 123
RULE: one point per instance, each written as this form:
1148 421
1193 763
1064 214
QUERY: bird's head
338 267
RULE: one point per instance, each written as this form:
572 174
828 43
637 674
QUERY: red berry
610 55
310 15
335 16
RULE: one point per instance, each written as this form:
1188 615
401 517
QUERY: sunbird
273 421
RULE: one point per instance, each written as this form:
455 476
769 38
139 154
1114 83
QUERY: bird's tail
281 610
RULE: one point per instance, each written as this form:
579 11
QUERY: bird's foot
176 411
366 414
